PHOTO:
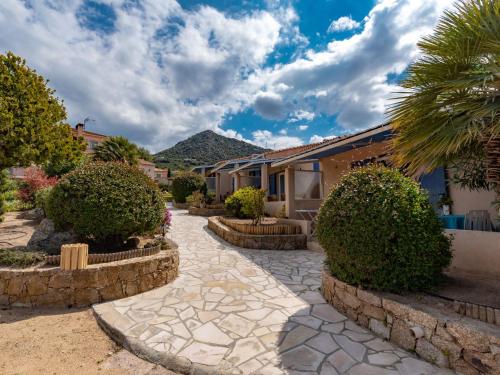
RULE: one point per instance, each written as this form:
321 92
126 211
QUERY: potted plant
444 204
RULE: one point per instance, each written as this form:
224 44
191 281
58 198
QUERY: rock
402 335
36 214
46 238
430 353
380 328
370 298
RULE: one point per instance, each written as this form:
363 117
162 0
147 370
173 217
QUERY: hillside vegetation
205 147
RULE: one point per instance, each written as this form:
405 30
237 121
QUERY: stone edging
205 211
181 206
253 241
456 342
261 230
107 318
110 257
99 282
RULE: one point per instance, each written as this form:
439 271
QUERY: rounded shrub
247 202
379 231
185 183
106 202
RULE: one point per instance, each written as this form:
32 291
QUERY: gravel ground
63 341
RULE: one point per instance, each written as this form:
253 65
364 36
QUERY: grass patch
20 258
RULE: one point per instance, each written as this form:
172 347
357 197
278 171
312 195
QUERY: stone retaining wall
204 211
254 241
181 206
97 283
446 339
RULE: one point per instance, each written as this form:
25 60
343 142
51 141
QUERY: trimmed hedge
380 232
185 183
106 202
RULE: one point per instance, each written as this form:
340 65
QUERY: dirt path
63 342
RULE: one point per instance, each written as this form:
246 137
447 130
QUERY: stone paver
237 311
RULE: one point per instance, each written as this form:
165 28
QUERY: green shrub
106 202
380 231
20 258
185 183
42 197
167 196
3 191
247 202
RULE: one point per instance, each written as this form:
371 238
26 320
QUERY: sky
276 73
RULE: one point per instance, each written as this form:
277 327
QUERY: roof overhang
336 146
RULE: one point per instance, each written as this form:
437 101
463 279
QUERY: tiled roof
286 152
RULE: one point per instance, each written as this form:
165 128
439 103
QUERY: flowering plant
167 221
35 179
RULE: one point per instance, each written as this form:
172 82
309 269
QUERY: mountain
205 147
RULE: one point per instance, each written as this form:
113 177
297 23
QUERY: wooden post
74 256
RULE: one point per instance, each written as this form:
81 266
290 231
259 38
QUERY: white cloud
266 139
283 132
302 115
163 73
342 24
317 138
348 79
303 127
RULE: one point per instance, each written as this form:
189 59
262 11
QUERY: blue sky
277 73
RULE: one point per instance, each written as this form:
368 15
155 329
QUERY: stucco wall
334 167
226 185
273 208
465 200
476 252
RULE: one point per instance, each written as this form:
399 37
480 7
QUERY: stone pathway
239 311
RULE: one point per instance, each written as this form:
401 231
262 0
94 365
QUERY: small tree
117 149
185 183
247 202
32 127
449 113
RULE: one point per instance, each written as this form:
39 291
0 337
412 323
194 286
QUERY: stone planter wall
97 283
181 206
110 257
446 339
253 241
205 211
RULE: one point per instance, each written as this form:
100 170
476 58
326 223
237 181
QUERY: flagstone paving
239 311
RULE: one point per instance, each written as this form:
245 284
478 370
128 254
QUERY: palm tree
117 149
449 113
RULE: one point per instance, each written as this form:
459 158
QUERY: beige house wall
465 200
334 167
226 184
476 252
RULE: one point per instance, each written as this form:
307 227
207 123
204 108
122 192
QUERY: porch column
237 181
264 178
290 191
217 187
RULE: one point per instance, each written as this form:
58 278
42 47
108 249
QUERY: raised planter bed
424 324
181 206
50 286
110 257
207 211
255 241
266 228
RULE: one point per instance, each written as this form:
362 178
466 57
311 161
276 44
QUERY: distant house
92 139
161 176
